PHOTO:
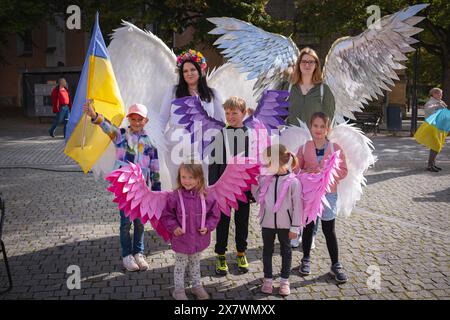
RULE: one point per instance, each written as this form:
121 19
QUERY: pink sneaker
267 286
179 294
200 293
285 289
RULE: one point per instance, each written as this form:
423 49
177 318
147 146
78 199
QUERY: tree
325 18
168 16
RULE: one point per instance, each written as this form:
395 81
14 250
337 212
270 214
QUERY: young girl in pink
190 216
311 158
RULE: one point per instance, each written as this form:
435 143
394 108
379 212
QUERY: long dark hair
205 92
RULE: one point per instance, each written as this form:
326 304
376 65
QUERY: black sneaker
337 270
52 134
432 169
436 167
305 267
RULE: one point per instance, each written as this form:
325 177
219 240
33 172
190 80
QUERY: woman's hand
203 231
178 232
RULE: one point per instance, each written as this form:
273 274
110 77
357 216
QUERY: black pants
432 158
329 231
241 217
268 236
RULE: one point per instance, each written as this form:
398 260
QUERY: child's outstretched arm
111 130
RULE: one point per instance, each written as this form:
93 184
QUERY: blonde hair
296 76
197 172
234 103
282 153
432 91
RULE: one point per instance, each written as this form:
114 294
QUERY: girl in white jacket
278 194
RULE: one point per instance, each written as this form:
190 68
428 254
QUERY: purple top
191 241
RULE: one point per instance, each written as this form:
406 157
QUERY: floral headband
191 55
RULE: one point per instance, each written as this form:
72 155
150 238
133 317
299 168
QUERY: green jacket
303 106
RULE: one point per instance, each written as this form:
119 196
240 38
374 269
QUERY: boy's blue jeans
62 115
125 238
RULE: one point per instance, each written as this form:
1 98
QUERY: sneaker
295 243
140 260
338 273
285 289
52 134
305 267
433 169
200 293
221 265
267 286
242 263
179 294
313 243
436 167
129 263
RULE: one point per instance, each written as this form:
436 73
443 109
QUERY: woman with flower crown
191 66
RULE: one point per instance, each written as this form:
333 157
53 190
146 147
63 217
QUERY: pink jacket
309 160
171 218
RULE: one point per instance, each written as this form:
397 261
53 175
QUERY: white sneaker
313 243
140 260
129 263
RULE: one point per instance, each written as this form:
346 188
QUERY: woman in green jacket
308 94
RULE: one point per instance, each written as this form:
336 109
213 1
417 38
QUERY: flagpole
83 135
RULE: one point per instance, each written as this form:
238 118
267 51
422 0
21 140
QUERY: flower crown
191 55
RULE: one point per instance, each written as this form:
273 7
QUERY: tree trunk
446 79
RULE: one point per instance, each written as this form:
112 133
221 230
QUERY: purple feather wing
272 109
196 120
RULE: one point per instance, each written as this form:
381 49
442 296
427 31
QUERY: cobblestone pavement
55 219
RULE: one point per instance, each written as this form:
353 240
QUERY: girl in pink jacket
190 216
311 158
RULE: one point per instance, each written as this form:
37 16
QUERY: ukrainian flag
433 131
86 142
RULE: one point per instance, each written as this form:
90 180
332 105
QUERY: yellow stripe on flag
430 136
103 89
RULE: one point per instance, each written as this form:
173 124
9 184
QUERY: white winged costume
356 69
145 69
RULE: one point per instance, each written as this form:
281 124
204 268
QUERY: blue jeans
62 115
125 237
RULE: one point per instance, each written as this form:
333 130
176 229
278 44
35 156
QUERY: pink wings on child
134 197
315 186
239 175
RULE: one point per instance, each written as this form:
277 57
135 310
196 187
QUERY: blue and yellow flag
433 131
86 142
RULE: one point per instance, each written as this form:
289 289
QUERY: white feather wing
144 68
357 68
230 82
294 137
358 151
